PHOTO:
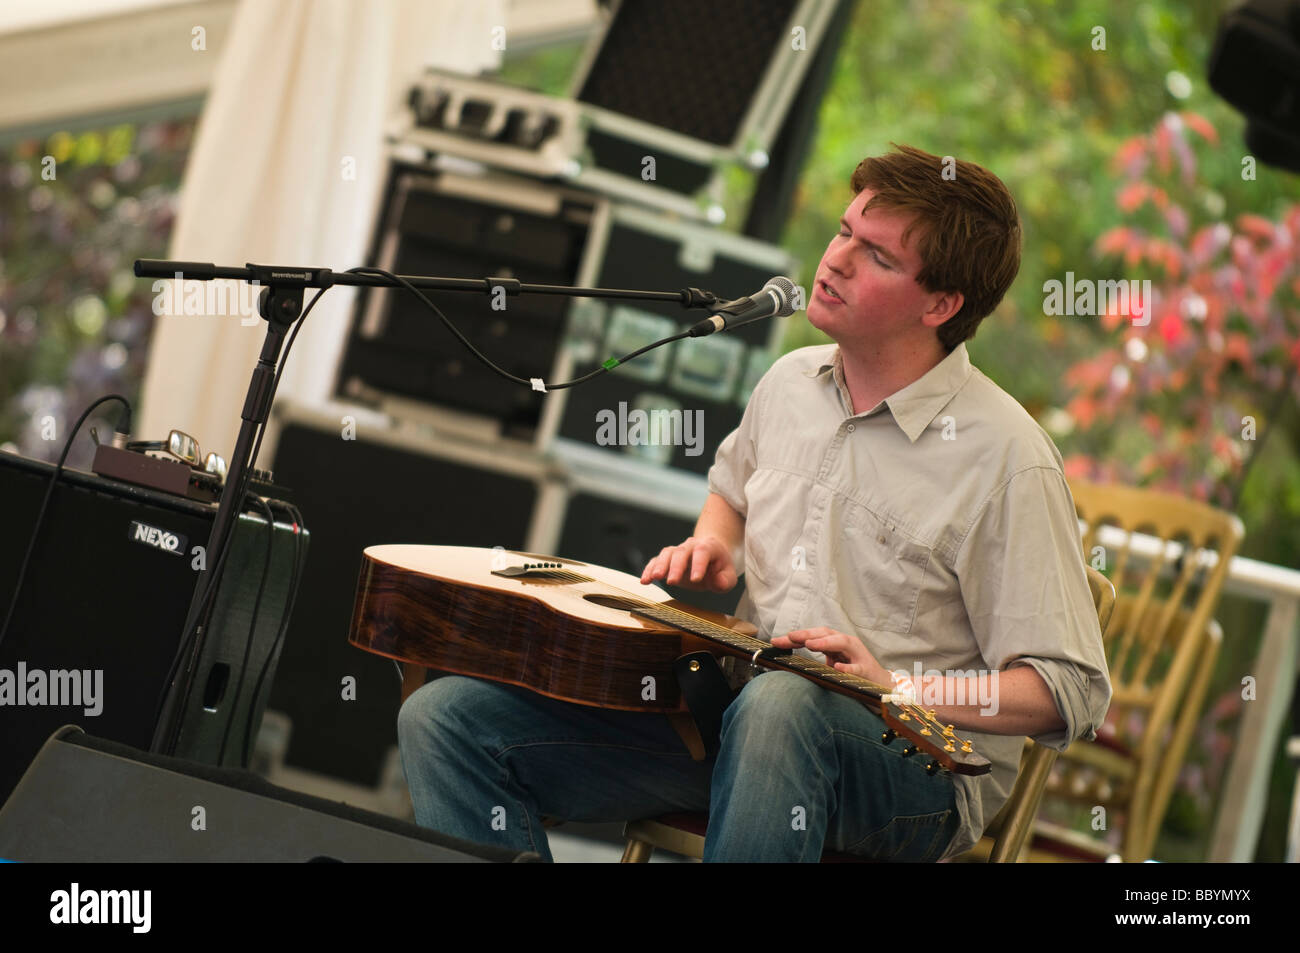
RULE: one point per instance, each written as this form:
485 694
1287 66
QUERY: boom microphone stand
280 304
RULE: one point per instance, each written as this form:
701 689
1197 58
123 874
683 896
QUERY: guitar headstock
931 738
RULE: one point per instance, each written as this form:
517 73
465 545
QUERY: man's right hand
701 562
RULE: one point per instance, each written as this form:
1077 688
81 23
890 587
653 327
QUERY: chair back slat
1162 637
1144 644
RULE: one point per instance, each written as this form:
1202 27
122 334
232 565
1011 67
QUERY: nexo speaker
99 617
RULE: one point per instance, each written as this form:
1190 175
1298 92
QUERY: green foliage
548 70
1018 88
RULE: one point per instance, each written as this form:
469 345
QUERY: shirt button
851 428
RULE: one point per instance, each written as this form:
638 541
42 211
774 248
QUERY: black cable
54 479
294 578
604 368
252 625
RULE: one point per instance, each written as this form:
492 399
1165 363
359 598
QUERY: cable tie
538 384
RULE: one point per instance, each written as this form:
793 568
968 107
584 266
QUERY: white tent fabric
286 169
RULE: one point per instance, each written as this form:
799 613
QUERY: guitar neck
763 653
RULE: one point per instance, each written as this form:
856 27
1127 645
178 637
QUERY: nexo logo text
158 538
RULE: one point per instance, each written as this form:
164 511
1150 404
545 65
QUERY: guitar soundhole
612 602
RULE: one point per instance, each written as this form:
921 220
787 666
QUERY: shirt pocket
875 570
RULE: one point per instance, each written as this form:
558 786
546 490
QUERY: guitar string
811 666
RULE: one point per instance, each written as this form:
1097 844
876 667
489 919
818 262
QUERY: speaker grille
688 66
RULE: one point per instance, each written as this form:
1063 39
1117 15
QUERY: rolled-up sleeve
1026 593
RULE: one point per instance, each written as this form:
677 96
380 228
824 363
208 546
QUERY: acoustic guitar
586 634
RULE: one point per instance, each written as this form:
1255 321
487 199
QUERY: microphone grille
785 290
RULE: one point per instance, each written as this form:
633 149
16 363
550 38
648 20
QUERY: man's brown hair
969 232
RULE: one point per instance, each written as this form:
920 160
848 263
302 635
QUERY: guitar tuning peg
910 750
888 735
932 768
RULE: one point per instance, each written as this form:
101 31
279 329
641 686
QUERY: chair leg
1009 843
636 852
1176 751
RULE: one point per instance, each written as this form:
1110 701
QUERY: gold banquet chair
1160 649
683 833
1006 835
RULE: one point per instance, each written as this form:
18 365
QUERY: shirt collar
916 405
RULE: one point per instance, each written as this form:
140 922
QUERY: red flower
1171 327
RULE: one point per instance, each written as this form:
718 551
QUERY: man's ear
946 304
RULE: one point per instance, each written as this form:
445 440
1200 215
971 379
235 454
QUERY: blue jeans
800 769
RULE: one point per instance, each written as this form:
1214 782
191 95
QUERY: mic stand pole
280 304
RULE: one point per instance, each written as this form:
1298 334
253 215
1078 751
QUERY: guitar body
442 607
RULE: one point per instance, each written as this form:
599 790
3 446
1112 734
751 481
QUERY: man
890 508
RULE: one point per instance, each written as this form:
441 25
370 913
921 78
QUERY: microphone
777 299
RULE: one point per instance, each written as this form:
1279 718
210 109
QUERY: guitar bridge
512 571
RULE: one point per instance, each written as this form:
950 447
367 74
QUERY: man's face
866 291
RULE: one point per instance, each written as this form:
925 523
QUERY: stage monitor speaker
384 486
658 68
87 799
100 614
656 57
663 108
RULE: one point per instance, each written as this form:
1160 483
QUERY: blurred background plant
76 210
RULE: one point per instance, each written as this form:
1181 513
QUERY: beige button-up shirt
936 526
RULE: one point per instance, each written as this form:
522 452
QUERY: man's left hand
844 653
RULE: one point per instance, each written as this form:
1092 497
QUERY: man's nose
838 259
